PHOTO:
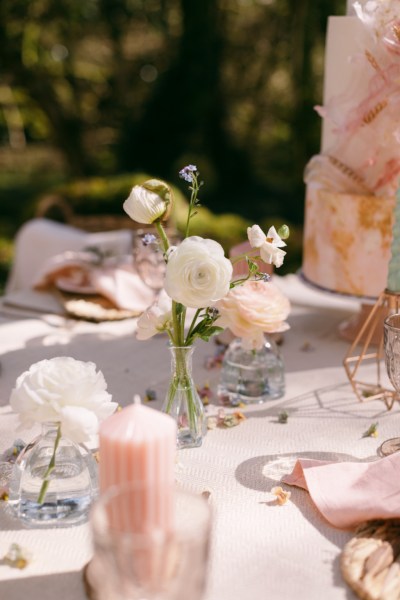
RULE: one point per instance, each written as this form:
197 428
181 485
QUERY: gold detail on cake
374 112
346 170
311 251
368 219
396 31
372 60
342 240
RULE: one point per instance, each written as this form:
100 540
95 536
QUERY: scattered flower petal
150 395
212 422
205 394
11 454
307 347
372 431
282 496
17 557
283 417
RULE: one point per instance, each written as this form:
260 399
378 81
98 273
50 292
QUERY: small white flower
156 318
149 202
66 391
198 273
269 245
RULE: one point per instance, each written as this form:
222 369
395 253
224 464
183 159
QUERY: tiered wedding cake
351 185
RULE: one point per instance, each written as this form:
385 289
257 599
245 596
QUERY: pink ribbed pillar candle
138 446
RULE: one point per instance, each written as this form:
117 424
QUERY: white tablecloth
260 550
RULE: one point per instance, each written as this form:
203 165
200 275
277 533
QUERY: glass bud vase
252 376
54 480
182 401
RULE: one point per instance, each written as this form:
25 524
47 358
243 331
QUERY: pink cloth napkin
123 286
349 493
116 280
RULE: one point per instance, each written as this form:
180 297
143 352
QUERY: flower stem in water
50 468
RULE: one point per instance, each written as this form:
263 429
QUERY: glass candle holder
135 562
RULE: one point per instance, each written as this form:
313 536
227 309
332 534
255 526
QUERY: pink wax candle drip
138 446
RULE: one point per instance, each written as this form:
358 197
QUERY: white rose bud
156 318
149 202
198 273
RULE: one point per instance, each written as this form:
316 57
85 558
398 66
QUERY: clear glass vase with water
59 495
252 376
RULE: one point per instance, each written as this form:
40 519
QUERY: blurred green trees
127 85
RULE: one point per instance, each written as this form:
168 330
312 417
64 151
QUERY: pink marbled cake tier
347 241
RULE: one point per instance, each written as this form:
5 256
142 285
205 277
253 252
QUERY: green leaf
209 332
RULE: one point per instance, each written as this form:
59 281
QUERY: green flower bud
284 232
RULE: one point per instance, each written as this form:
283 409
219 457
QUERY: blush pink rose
253 308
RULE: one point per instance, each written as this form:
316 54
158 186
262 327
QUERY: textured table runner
260 550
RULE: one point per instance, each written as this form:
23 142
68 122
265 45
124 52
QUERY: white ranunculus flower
197 273
269 245
63 390
78 423
149 202
156 318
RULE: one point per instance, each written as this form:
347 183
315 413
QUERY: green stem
163 236
237 282
50 468
193 198
192 326
236 259
183 380
176 321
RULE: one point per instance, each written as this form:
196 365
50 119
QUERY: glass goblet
149 259
391 342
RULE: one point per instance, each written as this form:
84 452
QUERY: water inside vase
252 376
72 483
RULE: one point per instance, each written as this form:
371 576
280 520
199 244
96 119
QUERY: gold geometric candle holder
364 352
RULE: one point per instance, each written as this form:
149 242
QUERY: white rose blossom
269 245
198 273
149 202
66 391
156 318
